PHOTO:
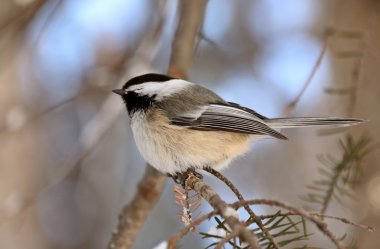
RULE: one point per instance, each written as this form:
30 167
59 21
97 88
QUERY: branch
191 18
228 237
173 239
14 27
192 14
229 214
346 221
322 216
184 231
321 225
331 189
253 216
19 18
355 84
96 128
134 214
340 176
37 116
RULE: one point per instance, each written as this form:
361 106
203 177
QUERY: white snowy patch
185 218
217 232
231 212
162 245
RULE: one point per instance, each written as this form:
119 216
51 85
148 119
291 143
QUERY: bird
178 125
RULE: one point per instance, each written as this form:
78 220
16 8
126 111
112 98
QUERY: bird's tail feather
279 123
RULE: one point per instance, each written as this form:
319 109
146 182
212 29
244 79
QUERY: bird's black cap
150 77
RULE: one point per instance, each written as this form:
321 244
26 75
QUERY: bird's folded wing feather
226 117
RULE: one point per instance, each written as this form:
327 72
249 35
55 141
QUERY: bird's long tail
279 123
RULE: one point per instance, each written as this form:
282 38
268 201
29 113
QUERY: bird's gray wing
226 117
248 110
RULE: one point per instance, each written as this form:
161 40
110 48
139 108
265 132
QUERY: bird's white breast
150 140
172 149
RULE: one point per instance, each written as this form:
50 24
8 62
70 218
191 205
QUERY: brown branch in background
354 85
96 128
92 133
145 52
357 55
223 209
252 215
48 20
190 20
317 64
321 225
13 28
20 17
134 214
37 116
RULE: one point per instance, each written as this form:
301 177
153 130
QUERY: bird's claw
181 178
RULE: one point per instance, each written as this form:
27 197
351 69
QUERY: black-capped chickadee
178 125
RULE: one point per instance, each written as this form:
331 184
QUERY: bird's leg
189 203
181 177
176 177
194 172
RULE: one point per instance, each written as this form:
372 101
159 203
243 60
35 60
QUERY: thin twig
224 210
322 226
48 20
293 104
205 217
324 216
355 84
173 239
207 39
225 240
346 221
256 219
189 204
330 191
92 133
35 117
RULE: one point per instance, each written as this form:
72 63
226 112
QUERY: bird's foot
181 178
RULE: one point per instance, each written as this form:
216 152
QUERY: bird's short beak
119 91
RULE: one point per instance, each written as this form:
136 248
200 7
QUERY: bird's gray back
188 100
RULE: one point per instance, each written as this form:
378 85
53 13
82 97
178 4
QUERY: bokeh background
68 162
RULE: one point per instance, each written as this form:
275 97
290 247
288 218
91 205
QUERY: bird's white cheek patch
160 89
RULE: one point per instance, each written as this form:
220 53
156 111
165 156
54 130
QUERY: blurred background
68 162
